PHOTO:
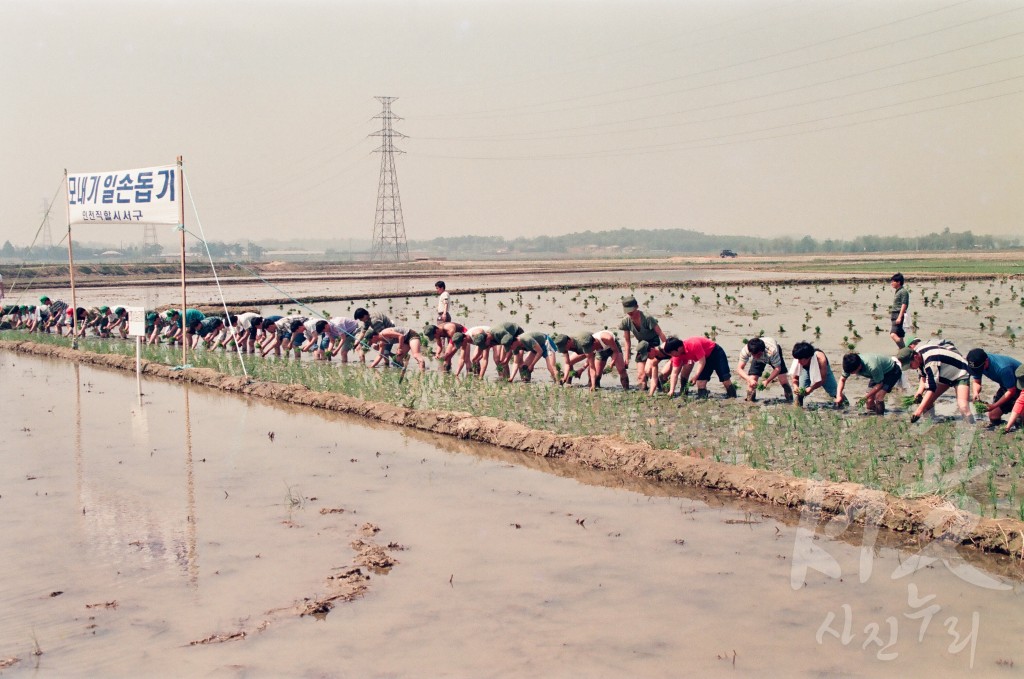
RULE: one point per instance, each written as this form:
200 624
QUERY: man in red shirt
711 358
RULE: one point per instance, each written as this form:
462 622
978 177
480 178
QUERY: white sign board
136 321
144 196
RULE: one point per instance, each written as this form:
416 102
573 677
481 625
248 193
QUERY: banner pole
184 301
138 365
71 272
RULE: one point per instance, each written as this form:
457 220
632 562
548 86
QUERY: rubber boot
624 381
703 394
787 393
752 395
730 391
880 407
597 381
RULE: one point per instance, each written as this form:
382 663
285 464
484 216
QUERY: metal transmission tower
148 239
46 239
389 244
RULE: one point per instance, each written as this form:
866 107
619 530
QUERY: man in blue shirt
1001 370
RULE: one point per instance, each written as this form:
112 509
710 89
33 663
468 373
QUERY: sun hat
560 341
976 359
430 330
629 303
911 340
905 356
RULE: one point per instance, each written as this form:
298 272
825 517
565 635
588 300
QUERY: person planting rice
537 345
408 342
941 368
812 371
55 316
882 373
483 341
648 334
898 310
179 333
444 334
758 354
375 321
247 330
1003 371
277 335
705 353
206 332
344 332
608 348
584 346
505 334
1018 406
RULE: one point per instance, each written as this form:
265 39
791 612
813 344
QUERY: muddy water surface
132 530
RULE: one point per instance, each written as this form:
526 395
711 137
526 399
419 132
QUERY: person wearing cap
537 345
505 334
206 331
811 370
645 329
450 338
54 312
882 373
705 353
941 368
408 342
481 341
898 310
1000 369
178 334
758 354
375 321
153 325
584 346
1018 406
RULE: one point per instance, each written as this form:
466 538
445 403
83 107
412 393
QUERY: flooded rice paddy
132 530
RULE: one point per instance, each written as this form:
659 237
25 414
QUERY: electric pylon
148 238
389 244
46 238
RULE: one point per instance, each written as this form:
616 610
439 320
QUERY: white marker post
137 328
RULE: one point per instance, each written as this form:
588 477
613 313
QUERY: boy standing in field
898 311
442 303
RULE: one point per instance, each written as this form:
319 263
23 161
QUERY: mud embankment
926 518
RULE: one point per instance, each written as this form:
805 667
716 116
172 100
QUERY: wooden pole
184 299
71 273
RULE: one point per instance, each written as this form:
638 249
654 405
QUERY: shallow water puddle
131 531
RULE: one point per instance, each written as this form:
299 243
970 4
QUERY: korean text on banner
144 196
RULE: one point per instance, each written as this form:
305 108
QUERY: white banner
145 196
136 321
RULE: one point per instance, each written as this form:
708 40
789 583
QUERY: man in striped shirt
56 309
940 368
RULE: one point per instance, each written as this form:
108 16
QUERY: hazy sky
833 118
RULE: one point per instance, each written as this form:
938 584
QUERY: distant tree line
686 241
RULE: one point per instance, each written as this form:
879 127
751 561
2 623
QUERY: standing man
1000 369
442 303
898 311
648 334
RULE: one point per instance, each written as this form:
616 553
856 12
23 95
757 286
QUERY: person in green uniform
882 372
645 329
898 311
585 347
